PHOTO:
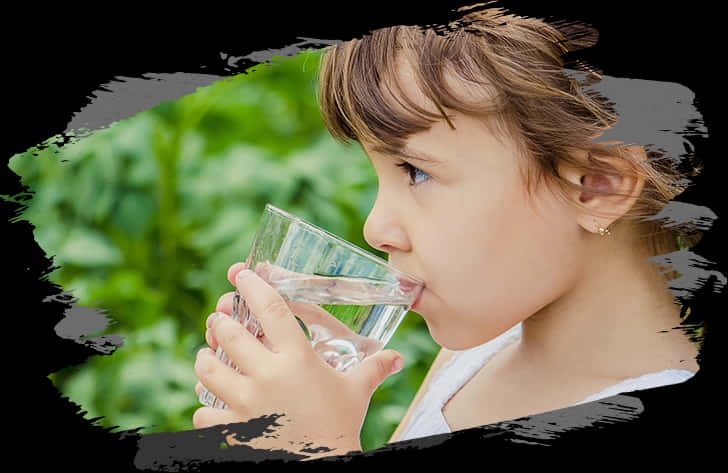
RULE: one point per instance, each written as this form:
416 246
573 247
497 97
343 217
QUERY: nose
384 228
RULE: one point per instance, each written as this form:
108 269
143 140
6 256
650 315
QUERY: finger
312 314
233 271
225 303
210 339
208 416
271 272
272 312
221 379
198 388
322 325
213 316
376 368
241 347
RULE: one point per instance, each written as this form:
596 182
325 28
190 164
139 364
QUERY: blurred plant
144 218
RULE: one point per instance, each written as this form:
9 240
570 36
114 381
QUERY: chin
449 341
455 345
459 339
436 320
434 324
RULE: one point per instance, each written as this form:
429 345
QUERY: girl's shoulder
443 356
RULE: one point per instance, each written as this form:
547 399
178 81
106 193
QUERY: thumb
376 368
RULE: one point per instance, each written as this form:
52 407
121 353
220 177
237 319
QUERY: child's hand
224 304
321 407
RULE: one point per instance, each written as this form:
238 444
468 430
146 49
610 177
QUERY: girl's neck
617 321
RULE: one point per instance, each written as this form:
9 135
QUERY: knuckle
227 332
276 306
265 379
276 372
382 368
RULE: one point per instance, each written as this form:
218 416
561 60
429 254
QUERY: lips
417 301
408 286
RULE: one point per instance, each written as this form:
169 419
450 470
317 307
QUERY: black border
53 63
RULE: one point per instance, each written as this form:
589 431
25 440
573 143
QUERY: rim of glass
360 251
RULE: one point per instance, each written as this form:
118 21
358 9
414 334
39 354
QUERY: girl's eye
414 173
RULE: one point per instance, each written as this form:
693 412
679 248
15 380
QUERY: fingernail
397 365
211 318
244 273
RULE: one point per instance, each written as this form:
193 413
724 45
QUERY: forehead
434 83
419 94
397 82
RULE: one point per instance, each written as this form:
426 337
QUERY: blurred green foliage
144 217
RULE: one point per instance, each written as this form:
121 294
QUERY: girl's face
489 254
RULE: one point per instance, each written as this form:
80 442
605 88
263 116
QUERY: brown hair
518 64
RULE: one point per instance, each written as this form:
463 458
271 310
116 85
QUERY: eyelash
411 170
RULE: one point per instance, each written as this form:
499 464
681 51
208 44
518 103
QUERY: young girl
497 190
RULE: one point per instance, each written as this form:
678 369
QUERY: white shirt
428 419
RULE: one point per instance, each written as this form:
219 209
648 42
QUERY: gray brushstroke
655 114
678 213
126 96
80 322
694 272
661 116
549 425
289 51
166 451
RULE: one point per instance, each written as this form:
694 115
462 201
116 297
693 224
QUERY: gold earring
602 231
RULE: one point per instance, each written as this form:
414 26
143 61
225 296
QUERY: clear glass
348 301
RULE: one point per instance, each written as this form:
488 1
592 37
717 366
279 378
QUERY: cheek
498 264
487 236
534 257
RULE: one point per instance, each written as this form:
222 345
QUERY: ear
605 196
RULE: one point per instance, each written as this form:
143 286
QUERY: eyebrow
408 154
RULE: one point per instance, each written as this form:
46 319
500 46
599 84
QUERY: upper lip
403 270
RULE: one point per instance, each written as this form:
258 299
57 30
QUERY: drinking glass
347 301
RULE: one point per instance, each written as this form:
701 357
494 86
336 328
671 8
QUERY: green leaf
87 247
134 214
